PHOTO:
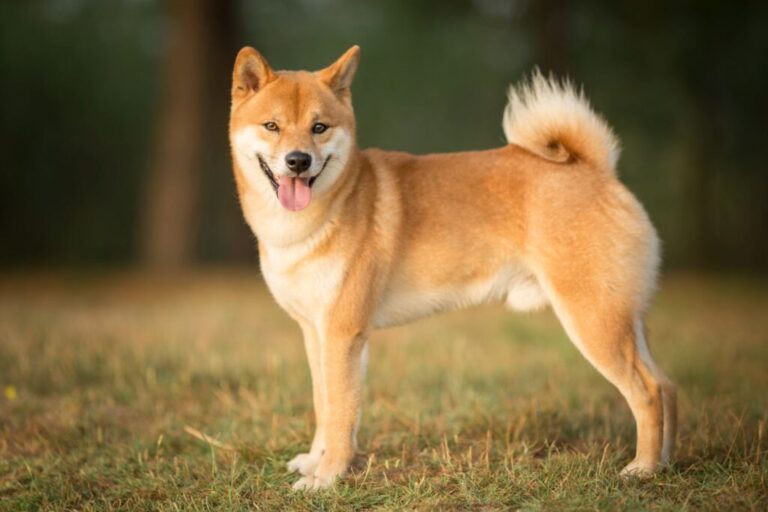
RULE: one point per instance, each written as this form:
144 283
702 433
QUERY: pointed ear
339 75
251 73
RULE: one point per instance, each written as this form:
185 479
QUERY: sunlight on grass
193 393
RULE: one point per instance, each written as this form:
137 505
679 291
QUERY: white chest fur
304 285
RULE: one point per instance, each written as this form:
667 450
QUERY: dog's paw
325 480
314 483
304 463
639 470
329 470
323 477
305 483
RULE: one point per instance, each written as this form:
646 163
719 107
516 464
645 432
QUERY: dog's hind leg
609 333
668 394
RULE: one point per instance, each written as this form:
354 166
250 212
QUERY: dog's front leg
342 364
305 463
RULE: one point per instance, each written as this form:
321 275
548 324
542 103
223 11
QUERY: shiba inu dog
351 240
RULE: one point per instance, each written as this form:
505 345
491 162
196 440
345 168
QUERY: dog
352 240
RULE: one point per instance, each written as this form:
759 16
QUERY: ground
192 393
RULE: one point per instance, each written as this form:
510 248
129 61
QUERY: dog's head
292 132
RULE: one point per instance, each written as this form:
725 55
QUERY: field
192 392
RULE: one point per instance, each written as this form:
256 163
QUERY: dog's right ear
251 73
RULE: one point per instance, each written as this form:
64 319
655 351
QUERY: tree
192 103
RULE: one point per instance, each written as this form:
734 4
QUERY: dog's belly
514 286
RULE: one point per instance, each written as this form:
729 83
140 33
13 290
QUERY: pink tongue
294 193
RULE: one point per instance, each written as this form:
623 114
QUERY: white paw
640 470
322 477
313 483
304 483
304 463
326 480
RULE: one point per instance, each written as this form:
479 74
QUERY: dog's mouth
294 193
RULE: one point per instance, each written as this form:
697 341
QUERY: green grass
478 410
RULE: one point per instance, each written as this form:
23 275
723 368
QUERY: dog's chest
303 285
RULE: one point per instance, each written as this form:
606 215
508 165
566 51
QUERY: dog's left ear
339 75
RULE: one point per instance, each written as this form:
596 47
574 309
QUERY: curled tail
552 119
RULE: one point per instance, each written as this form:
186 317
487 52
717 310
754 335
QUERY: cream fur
543 110
512 285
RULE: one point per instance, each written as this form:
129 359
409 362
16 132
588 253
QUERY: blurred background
115 180
113 139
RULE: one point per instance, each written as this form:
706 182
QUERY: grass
104 378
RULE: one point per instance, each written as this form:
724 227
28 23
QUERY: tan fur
389 237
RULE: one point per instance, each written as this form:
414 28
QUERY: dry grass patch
191 393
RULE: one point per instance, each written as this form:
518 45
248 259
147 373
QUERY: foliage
680 82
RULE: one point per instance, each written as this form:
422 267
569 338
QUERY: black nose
298 161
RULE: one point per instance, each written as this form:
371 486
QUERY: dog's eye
319 128
271 126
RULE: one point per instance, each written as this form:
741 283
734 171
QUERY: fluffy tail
551 118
